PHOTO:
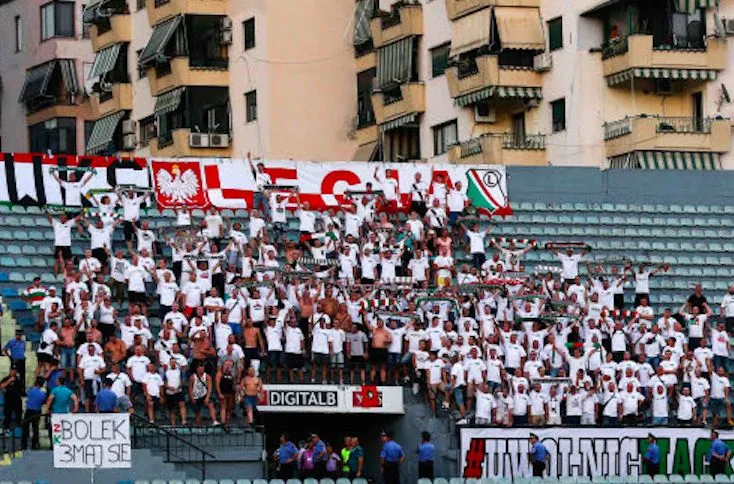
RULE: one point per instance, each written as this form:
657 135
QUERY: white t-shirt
73 192
307 221
131 208
686 404
90 364
193 291
100 237
476 241
120 383
444 263
145 240
630 402
62 232
293 339
434 369
136 278
718 385
719 340
320 340
570 265
153 384
138 366
455 201
727 304
167 292
49 337
485 402
642 282
660 405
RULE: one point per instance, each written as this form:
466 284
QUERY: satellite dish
725 94
720 30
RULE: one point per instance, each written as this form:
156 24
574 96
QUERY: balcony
459 8
119 99
501 149
635 56
159 10
176 145
405 21
413 101
489 76
119 32
657 133
182 74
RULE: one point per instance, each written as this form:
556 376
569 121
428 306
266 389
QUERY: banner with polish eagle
230 183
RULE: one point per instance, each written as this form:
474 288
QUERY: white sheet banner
86 441
331 399
585 451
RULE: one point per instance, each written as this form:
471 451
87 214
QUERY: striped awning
362 15
162 33
169 101
398 122
105 60
500 92
36 81
519 28
395 63
471 32
690 6
103 132
677 160
672 74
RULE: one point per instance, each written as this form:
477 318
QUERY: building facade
608 83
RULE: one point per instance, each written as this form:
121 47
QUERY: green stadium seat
23 262
308 480
159 481
16 277
567 207
325 480
660 477
20 235
722 478
644 478
248 481
525 206
583 479
358 480
456 480
715 247
608 207
706 478
341 480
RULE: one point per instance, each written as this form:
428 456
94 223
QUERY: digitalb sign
331 399
91 441
584 451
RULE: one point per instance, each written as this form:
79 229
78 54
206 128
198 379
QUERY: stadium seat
360 480
660 477
159 481
194 481
341 480
438 480
325 480
644 478
691 478
456 480
308 480
722 478
298 481
675 478
247 481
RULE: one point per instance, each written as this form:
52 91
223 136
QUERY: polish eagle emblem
179 187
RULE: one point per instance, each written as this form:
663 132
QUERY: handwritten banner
85 441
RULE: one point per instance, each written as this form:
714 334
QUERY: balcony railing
683 125
470 147
513 141
621 46
618 128
614 47
390 20
159 3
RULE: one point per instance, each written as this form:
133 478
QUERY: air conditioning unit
129 142
226 23
484 113
225 37
218 140
198 140
729 26
663 86
543 62
128 126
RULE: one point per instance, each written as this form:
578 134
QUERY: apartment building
608 83
42 56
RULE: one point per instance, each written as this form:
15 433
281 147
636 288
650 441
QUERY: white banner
584 451
331 399
86 441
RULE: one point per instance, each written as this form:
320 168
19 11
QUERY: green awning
91 10
162 33
677 160
36 81
398 122
362 16
690 6
169 101
500 92
395 63
672 74
103 132
474 97
105 60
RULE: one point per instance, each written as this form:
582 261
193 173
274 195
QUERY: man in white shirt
686 407
152 387
642 281
91 365
262 180
101 239
476 244
630 401
62 239
455 202
72 188
418 195
727 308
131 203
720 396
569 263
443 265
135 276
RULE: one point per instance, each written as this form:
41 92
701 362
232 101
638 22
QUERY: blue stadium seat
341 480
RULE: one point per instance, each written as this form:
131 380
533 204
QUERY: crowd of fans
372 294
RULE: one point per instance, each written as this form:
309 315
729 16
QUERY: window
18 34
88 127
558 113
555 34
251 106
147 130
440 59
249 27
57 135
444 135
57 20
365 113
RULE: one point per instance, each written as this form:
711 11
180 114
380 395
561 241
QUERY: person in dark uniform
391 456
287 458
719 455
426 454
652 456
13 398
538 456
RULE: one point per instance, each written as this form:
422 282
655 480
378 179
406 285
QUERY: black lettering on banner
119 453
11 180
128 164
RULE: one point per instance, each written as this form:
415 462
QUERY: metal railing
614 47
669 124
512 141
618 128
470 147
176 450
390 20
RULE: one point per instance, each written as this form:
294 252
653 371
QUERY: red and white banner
331 399
230 184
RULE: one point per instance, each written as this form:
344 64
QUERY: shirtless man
381 339
254 345
250 388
